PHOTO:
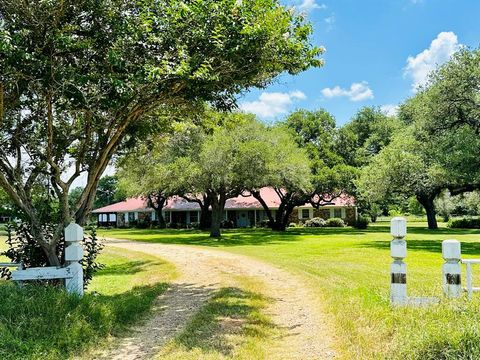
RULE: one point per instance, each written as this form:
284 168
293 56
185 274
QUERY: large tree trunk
50 249
427 202
218 206
205 214
205 220
280 221
158 204
161 220
282 216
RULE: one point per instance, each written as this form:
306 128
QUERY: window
305 213
131 216
112 217
337 212
167 217
193 216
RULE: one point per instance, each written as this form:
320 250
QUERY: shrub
143 225
464 223
22 247
194 225
315 222
263 223
361 222
335 222
227 224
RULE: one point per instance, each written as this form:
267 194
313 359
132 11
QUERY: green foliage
335 222
108 192
22 247
361 222
315 132
83 79
464 223
450 99
366 135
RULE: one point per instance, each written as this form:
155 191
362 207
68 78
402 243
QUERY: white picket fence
72 272
451 269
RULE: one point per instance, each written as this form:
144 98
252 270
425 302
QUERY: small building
241 211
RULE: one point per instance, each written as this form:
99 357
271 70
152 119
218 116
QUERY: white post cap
398 227
73 232
451 249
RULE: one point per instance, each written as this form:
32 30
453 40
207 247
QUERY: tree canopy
80 79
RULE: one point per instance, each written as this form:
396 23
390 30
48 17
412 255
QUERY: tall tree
229 161
404 168
368 132
288 171
304 165
79 79
108 191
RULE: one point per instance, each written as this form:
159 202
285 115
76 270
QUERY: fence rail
470 289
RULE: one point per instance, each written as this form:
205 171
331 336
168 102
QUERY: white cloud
440 50
309 5
389 109
272 104
330 21
357 92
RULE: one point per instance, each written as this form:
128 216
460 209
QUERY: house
242 211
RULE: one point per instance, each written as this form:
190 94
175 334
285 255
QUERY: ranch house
242 211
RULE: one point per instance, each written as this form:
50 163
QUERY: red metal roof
132 204
177 203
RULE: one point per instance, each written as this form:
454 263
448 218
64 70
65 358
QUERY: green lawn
38 322
349 270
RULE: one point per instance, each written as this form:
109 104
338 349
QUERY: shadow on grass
229 317
434 246
235 237
128 268
240 237
40 322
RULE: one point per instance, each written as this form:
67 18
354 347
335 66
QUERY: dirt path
203 271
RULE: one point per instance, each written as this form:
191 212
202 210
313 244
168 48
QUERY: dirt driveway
204 270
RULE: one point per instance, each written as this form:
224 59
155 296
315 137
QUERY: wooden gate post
452 272
73 256
398 269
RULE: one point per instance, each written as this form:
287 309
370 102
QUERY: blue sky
377 51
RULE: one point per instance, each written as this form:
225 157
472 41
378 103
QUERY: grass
349 270
38 322
231 325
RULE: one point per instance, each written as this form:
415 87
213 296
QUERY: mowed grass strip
39 322
232 325
349 270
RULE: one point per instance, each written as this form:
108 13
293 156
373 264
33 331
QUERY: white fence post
452 283
73 255
398 269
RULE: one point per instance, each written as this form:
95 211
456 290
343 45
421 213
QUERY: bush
315 222
227 224
464 223
22 247
335 222
194 225
361 222
263 223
